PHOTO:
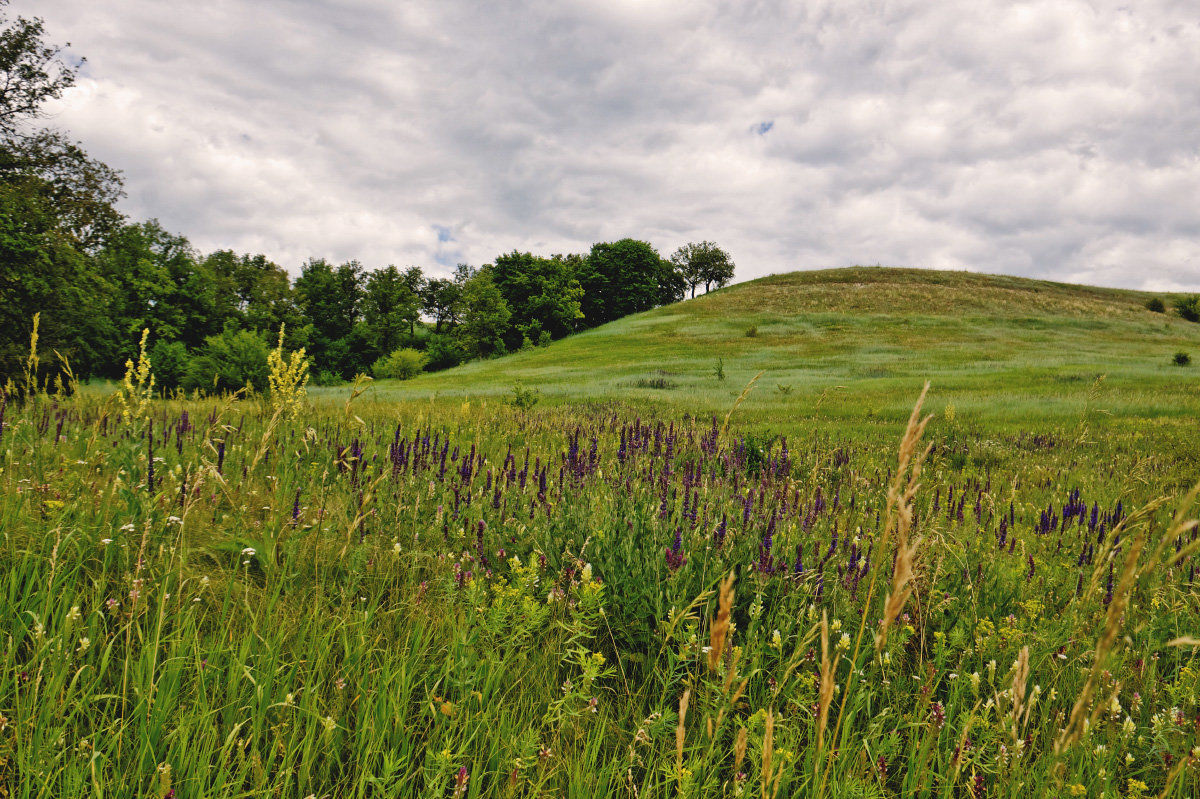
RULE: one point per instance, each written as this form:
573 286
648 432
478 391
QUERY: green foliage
1189 308
752 331
330 299
161 285
660 381
1181 359
1155 305
327 379
253 291
621 278
485 317
402 364
170 359
32 72
56 206
542 294
719 370
228 362
523 398
442 299
703 263
391 307
442 352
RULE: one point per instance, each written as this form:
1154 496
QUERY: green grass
1003 350
316 607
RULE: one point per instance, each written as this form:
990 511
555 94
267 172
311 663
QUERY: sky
1057 139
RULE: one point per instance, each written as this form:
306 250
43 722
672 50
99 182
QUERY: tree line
98 280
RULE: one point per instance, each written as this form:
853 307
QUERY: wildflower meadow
280 595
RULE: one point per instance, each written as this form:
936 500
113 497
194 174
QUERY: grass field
1005 351
436 589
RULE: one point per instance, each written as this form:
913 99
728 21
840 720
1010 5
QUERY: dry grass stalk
730 673
770 783
739 750
1017 692
900 516
827 673
768 751
741 398
683 707
720 625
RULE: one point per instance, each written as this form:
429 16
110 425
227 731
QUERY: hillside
996 347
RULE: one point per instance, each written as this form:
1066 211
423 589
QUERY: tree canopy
705 263
96 280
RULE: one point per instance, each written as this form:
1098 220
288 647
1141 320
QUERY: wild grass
215 599
852 589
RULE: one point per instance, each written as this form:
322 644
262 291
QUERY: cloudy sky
1057 139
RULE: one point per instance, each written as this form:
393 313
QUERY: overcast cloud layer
1052 139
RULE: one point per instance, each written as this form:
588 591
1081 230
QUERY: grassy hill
856 344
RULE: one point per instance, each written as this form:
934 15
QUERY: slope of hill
857 343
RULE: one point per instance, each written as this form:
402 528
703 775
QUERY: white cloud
1052 139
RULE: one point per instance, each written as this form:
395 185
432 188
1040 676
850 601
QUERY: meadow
730 547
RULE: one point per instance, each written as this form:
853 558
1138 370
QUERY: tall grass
217 598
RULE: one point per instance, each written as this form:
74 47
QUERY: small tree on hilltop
703 263
1189 308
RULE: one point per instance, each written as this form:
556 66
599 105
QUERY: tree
541 293
30 72
485 317
703 263
255 291
42 271
442 299
620 278
1189 307
160 284
56 208
390 308
330 300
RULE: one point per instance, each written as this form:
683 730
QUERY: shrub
170 359
403 364
719 370
523 398
227 362
752 331
654 382
324 377
1189 308
442 352
1155 305
1181 359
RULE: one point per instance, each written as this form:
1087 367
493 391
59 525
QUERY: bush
403 364
228 362
1181 359
752 331
442 352
170 359
1189 308
523 398
1155 305
324 377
